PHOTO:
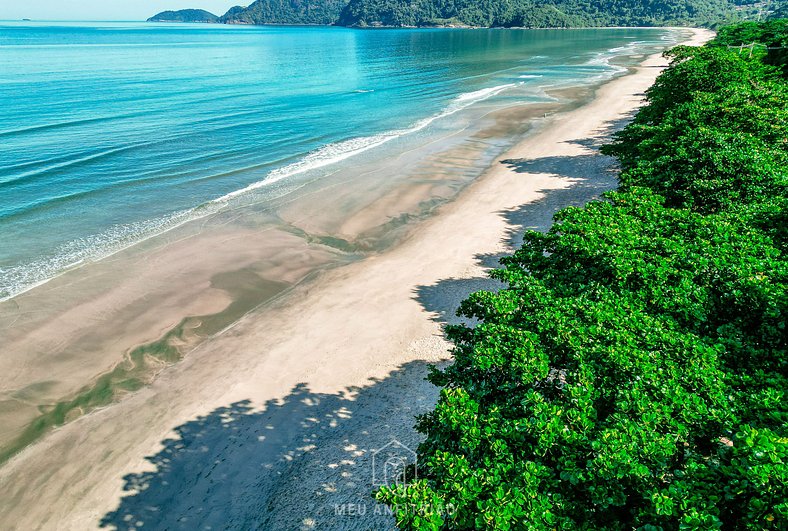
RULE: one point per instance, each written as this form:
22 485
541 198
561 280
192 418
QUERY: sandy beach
272 421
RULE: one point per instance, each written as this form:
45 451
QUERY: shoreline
102 330
371 318
96 329
218 205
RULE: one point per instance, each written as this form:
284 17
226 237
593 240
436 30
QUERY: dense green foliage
771 33
483 13
528 13
632 373
286 12
772 36
185 15
474 13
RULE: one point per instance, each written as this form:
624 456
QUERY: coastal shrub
695 70
633 371
772 34
755 107
709 169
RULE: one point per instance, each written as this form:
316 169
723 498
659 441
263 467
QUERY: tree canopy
491 13
323 12
633 371
528 13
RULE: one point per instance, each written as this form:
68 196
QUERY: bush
632 374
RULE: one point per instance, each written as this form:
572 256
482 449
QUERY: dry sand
272 424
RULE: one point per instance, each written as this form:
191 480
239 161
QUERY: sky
105 10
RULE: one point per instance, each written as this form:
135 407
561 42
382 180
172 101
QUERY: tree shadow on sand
591 174
306 461
302 462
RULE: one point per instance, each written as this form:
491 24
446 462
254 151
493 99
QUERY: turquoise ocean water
113 132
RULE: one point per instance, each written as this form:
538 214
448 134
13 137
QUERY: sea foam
17 279
339 151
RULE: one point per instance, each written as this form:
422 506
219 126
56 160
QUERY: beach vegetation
633 371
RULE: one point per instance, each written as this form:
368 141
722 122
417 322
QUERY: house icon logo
389 463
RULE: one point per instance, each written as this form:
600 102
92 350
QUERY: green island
632 371
185 15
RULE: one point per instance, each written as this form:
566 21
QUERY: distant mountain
481 13
185 15
527 13
286 12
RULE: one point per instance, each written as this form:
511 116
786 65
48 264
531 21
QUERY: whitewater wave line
339 151
18 279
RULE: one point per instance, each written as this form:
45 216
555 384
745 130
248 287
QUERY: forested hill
481 13
185 15
526 13
286 12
